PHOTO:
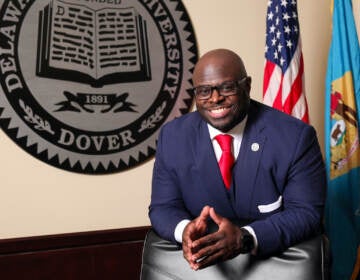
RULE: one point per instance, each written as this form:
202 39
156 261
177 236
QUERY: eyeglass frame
218 88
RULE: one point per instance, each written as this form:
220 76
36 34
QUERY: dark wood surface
106 254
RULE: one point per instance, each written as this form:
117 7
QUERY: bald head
218 63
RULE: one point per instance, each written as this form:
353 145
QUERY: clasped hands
201 248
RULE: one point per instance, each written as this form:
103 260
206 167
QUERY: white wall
356 8
37 199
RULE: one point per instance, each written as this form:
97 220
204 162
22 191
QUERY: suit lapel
207 163
247 163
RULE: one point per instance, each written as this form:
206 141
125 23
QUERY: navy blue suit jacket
277 189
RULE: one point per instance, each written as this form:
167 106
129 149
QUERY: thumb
203 215
215 217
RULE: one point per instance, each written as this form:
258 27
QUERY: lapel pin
255 147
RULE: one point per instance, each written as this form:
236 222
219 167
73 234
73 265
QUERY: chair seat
163 260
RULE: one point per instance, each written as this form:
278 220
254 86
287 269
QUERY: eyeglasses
204 92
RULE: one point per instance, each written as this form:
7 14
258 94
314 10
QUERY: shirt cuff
252 232
180 229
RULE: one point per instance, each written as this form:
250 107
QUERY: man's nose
216 96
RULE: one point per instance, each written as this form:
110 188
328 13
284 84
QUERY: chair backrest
308 260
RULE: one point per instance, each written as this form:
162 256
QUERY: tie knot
224 141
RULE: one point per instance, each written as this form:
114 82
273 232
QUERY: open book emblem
96 47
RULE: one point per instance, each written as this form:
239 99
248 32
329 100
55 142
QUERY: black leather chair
309 260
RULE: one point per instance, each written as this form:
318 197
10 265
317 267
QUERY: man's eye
202 90
227 87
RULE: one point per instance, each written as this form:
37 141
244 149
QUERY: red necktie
227 159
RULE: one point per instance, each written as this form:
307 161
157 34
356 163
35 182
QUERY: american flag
283 86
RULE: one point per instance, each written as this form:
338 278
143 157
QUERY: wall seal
85 86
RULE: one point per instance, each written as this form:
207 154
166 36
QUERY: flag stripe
274 85
295 91
291 74
269 68
300 109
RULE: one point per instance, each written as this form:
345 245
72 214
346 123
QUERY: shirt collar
236 132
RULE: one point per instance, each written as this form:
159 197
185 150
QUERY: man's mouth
218 112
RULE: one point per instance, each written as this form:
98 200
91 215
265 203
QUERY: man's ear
248 85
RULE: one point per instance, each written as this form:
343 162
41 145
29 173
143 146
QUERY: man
275 195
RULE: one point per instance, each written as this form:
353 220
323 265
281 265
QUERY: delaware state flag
342 152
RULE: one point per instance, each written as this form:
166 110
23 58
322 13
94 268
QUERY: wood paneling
109 254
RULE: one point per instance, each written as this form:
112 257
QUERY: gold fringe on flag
356 270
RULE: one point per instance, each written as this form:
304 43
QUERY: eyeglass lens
224 89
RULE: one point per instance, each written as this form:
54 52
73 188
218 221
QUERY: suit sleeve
167 207
303 199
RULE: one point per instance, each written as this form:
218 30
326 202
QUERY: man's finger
215 217
204 214
207 260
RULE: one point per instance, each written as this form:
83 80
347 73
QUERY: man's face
222 112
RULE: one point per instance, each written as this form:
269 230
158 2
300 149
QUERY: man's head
224 71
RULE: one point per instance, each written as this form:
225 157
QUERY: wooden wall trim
106 254
48 242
